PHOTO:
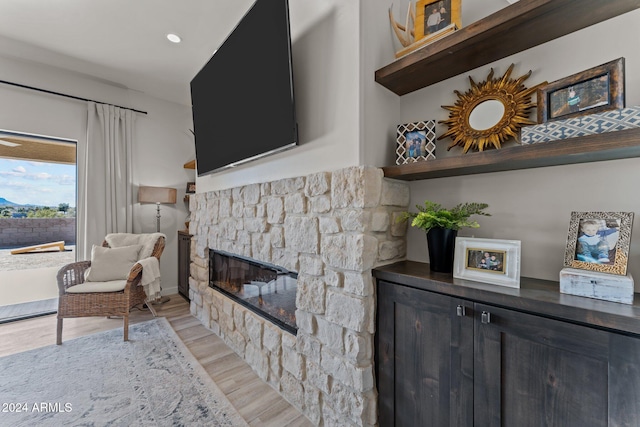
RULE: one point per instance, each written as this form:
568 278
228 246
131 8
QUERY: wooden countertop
535 296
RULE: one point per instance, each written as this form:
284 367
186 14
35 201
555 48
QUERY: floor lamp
157 195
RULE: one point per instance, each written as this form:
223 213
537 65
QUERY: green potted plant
441 226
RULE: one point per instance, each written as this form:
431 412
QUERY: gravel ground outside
36 259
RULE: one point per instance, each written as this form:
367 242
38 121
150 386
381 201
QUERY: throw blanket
150 265
150 279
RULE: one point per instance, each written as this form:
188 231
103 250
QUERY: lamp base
158 217
161 300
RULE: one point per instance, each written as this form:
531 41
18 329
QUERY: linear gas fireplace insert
266 289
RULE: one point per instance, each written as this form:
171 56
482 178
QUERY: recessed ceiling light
174 38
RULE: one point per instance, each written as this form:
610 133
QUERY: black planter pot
441 243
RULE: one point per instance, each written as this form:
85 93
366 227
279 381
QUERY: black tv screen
242 99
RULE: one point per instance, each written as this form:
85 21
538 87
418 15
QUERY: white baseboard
169 290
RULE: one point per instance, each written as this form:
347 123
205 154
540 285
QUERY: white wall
534 205
325 46
380 107
163 142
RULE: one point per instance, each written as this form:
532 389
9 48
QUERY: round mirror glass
486 115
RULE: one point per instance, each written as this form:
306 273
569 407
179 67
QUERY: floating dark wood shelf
592 148
515 28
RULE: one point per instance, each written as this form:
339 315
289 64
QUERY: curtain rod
68 96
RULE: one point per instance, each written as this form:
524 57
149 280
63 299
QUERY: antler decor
513 95
415 33
405 32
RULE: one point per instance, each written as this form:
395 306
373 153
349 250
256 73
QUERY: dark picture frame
191 188
599 241
591 91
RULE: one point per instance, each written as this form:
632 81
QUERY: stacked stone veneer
332 228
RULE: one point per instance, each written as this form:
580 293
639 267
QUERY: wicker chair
100 303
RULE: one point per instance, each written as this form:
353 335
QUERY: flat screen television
242 99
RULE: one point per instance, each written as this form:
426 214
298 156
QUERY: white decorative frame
427 131
507 275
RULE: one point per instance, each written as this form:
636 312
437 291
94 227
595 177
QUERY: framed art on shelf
599 241
430 21
488 260
416 142
191 188
591 91
436 18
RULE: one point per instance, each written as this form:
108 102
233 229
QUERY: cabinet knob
460 311
486 317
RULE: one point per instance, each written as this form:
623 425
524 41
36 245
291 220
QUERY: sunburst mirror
490 112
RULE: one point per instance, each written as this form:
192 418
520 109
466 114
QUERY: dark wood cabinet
532 371
446 357
424 358
184 259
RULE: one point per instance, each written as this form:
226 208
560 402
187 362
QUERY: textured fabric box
608 287
609 121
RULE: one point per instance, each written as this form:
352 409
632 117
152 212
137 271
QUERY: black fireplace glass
266 289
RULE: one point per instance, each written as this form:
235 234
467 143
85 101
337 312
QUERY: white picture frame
502 267
416 142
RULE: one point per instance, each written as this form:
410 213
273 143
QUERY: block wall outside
15 232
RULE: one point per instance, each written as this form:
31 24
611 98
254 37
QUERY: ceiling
121 42
40 149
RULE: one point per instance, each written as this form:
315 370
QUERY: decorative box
609 121
591 284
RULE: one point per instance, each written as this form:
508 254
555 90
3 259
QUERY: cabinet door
184 243
424 358
534 371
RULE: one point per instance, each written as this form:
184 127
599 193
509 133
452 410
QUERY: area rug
100 380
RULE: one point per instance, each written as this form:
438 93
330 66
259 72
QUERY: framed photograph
599 241
191 188
488 260
436 18
595 90
416 142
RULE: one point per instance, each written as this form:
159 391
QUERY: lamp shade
157 195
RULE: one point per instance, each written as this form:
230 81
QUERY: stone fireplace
331 228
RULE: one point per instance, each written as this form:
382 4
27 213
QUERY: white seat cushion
87 287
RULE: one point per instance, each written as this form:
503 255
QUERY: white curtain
105 193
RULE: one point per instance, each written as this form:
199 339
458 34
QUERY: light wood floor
255 400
